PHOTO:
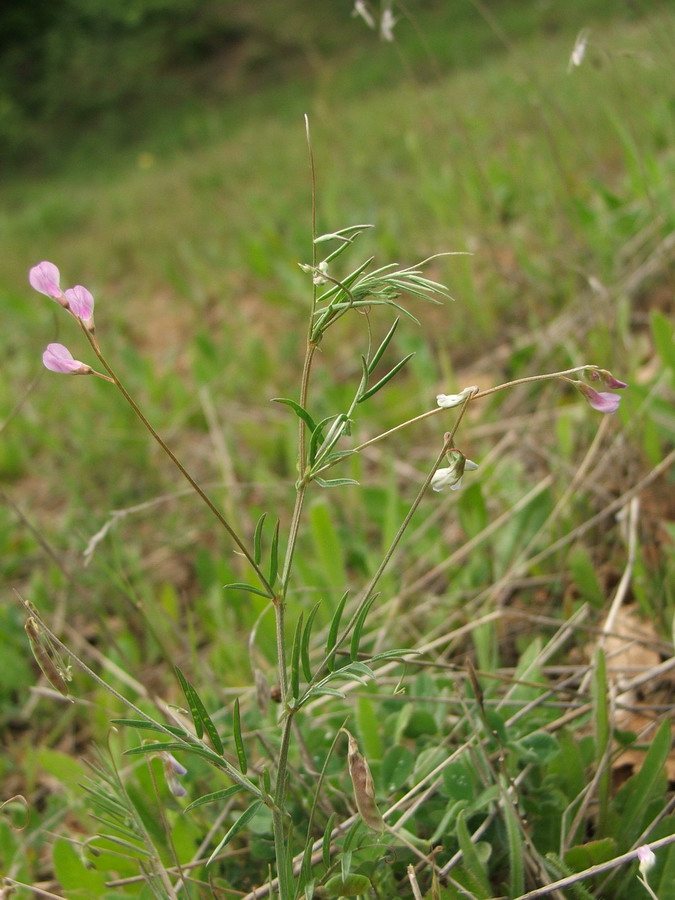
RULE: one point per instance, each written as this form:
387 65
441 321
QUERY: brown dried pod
52 672
364 788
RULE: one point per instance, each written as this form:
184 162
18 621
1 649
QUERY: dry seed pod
50 670
364 789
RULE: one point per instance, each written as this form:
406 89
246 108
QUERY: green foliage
556 181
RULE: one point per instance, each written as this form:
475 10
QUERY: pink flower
173 768
607 379
45 278
646 858
80 302
604 402
58 358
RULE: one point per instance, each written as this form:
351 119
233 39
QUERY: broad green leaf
538 748
397 767
351 886
458 781
590 854
73 876
369 728
238 740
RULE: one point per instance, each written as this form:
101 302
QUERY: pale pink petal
80 302
58 358
45 278
602 401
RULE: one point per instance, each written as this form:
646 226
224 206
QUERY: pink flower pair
45 278
603 401
78 301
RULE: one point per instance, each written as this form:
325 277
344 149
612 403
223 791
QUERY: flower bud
58 358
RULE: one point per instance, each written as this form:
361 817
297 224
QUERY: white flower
452 475
647 859
579 50
447 401
360 9
320 273
387 23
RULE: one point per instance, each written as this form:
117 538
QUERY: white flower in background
387 23
451 476
579 51
361 9
447 401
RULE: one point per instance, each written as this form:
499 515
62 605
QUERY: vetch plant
308 672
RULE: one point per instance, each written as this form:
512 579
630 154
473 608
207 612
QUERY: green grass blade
189 696
358 625
243 819
274 555
142 724
334 482
249 588
201 717
317 437
304 644
474 868
325 844
333 631
602 736
238 740
515 843
379 353
634 798
300 411
215 796
295 659
390 374
257 539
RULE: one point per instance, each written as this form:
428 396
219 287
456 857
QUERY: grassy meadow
529 739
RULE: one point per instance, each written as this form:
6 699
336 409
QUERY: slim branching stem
181 468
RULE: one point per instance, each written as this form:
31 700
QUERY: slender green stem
370 589
279 816
181 468
478 395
